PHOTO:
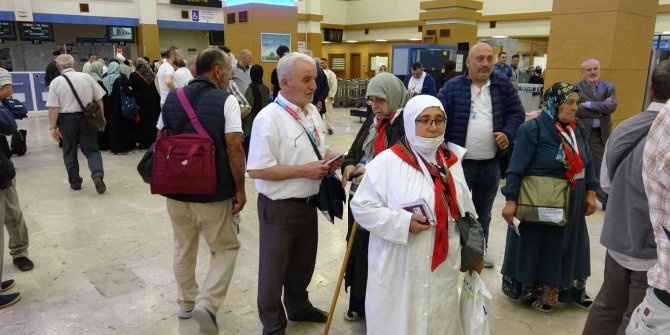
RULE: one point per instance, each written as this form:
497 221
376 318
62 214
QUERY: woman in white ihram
413 267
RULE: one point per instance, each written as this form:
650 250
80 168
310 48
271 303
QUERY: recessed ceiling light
326 42
351 41
415 39
499 36
381 40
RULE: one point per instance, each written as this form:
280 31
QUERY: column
616 32
147 33
450 21
252 19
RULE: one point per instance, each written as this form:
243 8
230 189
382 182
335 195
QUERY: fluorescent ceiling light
351 41
666 32
381 40
499 36
415 39
326 42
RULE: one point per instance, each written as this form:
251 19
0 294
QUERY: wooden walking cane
350 244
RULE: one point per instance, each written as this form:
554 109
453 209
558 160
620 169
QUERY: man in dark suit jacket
321 92
597 102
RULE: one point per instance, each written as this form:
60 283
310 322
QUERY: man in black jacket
321 92
210 215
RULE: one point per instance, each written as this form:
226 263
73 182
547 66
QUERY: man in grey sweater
627 231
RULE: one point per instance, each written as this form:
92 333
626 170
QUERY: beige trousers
328 116
215 222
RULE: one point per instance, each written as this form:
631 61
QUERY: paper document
548 214
515 226
420 206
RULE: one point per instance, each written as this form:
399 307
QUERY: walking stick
350 244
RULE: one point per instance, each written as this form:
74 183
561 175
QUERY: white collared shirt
166 69
416 85
479 140
61 96
278 139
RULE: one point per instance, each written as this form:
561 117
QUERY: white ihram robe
403 296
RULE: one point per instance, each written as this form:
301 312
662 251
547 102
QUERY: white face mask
427 146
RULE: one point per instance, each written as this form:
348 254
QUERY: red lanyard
313 135
571 139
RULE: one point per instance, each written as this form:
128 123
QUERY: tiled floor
104 262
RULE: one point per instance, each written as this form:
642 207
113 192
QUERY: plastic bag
474 314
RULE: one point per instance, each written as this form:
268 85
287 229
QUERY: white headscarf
425 147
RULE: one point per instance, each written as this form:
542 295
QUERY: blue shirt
504 69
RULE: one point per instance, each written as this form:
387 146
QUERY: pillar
450 21
616 32
260 18
147 33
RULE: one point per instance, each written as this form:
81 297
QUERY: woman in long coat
119 128
149 101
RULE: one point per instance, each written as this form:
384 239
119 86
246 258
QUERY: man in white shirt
420 82
242 71
288 174
91 58
165 76
72 128
332 91
182 75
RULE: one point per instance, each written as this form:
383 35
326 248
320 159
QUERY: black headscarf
256 74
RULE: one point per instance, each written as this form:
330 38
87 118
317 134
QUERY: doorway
355 66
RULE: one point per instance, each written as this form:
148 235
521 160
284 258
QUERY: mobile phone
337 157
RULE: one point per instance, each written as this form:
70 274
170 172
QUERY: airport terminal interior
103 263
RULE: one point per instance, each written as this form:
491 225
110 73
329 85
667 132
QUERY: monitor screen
332 35
36 31
120 34
216 37
7 30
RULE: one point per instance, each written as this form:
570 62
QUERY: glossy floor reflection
103 263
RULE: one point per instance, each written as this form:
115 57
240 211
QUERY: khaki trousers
328 116
15 223
215 222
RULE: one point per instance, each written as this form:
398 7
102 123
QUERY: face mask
427 146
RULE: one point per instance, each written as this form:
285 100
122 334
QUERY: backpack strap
191 113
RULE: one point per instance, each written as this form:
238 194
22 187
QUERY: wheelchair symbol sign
195 16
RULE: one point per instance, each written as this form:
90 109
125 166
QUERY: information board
7 30
31 31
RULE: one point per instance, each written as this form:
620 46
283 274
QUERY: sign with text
7 30
31 31
200 3
202 16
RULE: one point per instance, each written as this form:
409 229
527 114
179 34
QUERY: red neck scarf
381 142
445 198
571 148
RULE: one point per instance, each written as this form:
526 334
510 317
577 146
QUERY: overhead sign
7 30
200 3
202 16
31 31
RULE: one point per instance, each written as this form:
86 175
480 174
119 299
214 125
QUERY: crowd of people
445 141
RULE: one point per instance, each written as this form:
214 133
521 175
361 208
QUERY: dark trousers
288 242
622 291
597 146
483 178
75 131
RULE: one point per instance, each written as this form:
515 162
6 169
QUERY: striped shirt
656 177
5 77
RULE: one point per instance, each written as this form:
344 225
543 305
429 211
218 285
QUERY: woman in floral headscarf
547 264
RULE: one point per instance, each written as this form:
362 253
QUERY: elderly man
420 82
242 71
597 102
67 122
627 232
209 215
484 112
652 316
288 173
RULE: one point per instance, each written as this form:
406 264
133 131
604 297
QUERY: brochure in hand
420 206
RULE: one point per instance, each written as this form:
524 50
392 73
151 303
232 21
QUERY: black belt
312 200
663 296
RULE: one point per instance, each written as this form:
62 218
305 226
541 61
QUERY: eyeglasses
378 101
439 123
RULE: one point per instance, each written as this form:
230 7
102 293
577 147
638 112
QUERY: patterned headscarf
555 97
143 69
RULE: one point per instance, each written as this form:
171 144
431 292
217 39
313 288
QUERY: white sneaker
488 261
206 320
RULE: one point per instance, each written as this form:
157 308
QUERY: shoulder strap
74 92
627 152
191 113
316 149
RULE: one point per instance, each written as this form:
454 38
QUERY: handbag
17 108
7 122
184 163
92 113
129 107
472 305
146 164
543 200
472 240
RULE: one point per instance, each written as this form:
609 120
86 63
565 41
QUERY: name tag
554 215
580 175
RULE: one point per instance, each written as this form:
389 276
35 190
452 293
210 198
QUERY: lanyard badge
313 134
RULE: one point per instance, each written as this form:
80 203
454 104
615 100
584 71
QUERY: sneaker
7 285
99 185
75 187
23 263
184 314
352 316
7 300
488 261
312 314
206 320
